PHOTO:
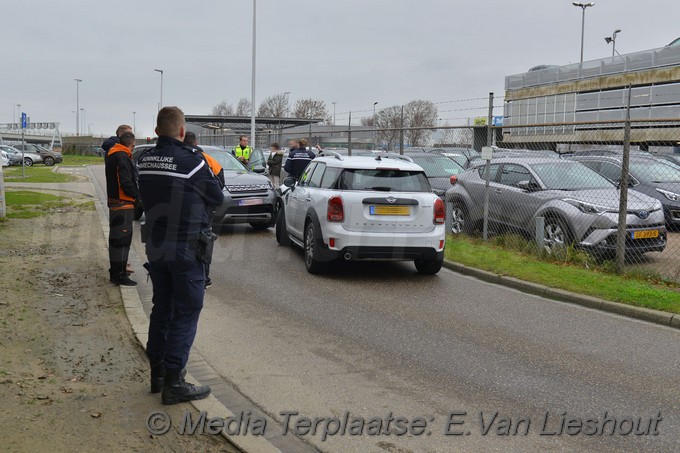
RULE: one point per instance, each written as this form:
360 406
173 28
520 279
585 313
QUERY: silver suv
580 207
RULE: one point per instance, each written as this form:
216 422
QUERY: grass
36 174
576 272
71 160
25 204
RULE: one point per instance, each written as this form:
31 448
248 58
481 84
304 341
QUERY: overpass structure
37 133
587 102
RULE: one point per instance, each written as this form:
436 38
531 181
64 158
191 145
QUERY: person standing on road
217 170
109 142
274 164
298 159
242 151
179 192
122 193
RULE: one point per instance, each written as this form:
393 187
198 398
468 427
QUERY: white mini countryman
363 208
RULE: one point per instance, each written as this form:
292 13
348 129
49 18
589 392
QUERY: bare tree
273 106
419 113
367 121
310 109
223 109
389 118
243 107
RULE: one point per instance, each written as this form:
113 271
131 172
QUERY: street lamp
612 40
160 105
134 122
375 132
78 105
334 112
82 121
583 6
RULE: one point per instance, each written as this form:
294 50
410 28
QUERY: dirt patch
72 377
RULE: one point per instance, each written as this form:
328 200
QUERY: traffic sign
498 121
24 120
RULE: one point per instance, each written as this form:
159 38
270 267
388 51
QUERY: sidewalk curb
630 311
140 327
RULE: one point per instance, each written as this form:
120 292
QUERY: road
377 338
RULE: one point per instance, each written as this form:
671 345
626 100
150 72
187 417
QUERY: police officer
122 193
179 191
242 151
298 159
217 170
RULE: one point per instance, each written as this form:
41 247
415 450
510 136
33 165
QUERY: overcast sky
354 52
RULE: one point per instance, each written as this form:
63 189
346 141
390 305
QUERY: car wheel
281 230
556 235
259 226
429 267
460 222
49 161
28 162
312 263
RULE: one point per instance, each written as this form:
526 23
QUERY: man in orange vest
122 193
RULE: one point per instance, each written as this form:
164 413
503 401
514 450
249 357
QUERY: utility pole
134 122
401 133
583 7
78 105
375 132
161 71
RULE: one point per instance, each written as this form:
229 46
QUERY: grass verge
36 174
25 204
575 274
71 160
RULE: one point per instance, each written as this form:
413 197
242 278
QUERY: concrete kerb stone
140 327
641 313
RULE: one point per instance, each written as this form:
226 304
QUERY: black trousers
120 239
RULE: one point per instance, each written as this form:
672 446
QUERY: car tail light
439 212
453 180
441 244
331 242
336 210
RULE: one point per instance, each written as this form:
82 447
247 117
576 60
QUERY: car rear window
387 180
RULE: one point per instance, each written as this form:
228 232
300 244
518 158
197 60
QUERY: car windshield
654 171
384 180
226 160
438 166
569 176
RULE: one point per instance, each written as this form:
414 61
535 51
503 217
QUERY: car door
296 207
515 205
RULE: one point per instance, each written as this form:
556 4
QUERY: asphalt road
377 338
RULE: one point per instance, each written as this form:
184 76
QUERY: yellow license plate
650 234
390 210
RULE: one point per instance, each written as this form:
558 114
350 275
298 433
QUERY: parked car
29 157
648 176
580 207
363 208
48 157
248 196
438 169
4 159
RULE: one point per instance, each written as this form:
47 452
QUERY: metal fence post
623 188
540 233
489 131
487 179
3 205
349 136
401 133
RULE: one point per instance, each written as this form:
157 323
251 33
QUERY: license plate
650 234
250 202
390 210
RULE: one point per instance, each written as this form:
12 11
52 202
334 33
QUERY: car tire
311 250
429 267
49 161
557 236
281 231
28 162
460 220
259 226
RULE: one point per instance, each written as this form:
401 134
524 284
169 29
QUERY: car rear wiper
380 188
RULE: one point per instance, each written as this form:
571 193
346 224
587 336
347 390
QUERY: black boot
123 280
176 390
158 376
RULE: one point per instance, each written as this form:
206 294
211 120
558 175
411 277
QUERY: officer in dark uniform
298 159
178 191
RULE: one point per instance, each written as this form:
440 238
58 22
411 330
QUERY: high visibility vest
245 153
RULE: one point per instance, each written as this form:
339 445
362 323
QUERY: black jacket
121 186
178 191
109 142
298 159
274 163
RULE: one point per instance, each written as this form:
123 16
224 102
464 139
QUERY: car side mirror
258 169
289 182
529 186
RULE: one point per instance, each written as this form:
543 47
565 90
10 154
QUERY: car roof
633 157
529 160
368 162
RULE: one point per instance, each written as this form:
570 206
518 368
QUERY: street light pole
82 121
583 6
160 106
252 82
78 105
134 122
375 132
334 112
612 40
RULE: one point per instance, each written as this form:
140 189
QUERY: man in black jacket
298 159
179 192
122 193
109 142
